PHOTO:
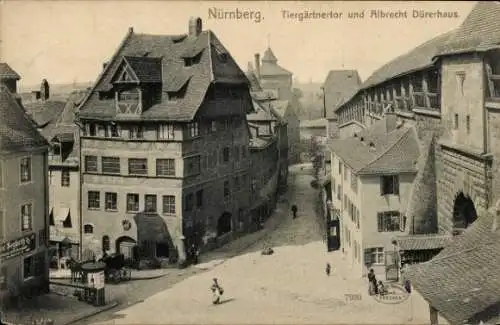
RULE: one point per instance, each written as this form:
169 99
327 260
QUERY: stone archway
464 211
125 245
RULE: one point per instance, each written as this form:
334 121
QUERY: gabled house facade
163 140
24 222
371 180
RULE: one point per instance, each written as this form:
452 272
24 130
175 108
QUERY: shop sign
16 247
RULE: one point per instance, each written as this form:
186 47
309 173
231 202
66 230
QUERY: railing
420 100
434 100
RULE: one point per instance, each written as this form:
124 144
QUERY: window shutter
396 185
382 185
380 221
402 223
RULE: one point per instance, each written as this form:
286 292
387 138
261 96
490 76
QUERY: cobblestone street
289 286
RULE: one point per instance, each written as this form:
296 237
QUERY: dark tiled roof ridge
105 70
461 252
401 137
416 48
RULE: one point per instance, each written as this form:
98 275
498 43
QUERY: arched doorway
464 212
224 224
125 245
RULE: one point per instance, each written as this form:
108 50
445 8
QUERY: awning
61 216
423 242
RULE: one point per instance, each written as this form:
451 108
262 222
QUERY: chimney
250 66
104 65
131 30
195 26
257 65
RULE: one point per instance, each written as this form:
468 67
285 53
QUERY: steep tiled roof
254 81
270 67
479 31
44 112
261 113
463 281
145 68
416 59
423 242
17 131
260 142
392 151
6 72
339 86
216 65
279 107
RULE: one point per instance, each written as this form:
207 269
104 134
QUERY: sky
67 41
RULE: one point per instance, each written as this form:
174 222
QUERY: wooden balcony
428 101
434 101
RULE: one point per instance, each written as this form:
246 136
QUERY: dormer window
176 95
192 60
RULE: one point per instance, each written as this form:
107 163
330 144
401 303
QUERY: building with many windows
371 179
24 197
447 89
164 139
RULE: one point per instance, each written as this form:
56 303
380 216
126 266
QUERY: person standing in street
294 211
217 292
372 283
328 269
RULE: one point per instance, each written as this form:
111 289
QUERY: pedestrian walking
328 269
294 211
217 292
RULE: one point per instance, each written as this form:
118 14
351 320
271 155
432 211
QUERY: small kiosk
93 279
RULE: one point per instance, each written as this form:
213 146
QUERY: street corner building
164 143
54 119
24 222
447 89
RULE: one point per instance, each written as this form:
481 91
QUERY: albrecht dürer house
24 197
447 90
164 138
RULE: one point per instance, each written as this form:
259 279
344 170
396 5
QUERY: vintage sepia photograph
249 162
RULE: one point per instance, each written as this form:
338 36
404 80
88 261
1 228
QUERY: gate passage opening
464 212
